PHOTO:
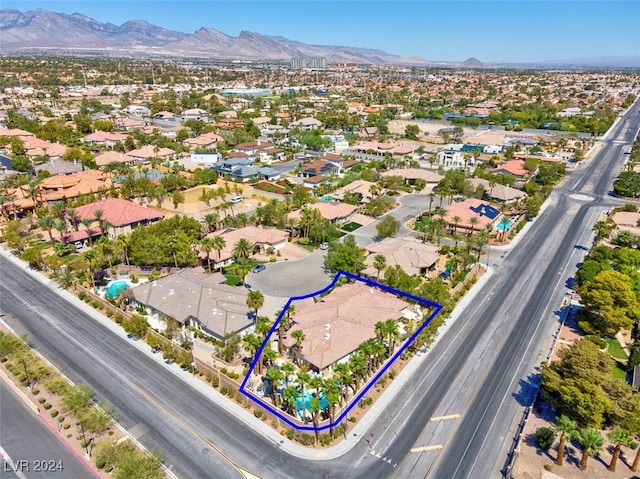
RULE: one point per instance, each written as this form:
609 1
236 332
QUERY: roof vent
327 326
327 336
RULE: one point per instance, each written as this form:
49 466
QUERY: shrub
41 400
35 391
215 381
290 434
47 406
545 437
392 374
134 278
108 468
66 426
100 462
54 413
60 418
258 413
118 318
303 241
325 439
547 467
273 259
224 390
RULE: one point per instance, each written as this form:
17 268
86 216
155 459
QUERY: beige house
335 325
500 193
334 212
410 175
412 255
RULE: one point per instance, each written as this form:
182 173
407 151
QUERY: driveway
291 278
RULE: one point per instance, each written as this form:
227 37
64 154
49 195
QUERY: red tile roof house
123 216
512 167
259 237
471 208
195 298
144 154
337 324
104 138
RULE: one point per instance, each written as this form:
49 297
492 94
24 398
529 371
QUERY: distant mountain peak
45 30
472 62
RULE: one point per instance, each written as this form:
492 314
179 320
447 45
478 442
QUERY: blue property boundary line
362 392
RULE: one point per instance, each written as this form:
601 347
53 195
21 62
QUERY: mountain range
43 30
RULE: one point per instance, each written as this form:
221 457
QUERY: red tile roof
118 212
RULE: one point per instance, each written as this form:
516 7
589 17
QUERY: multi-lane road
476 372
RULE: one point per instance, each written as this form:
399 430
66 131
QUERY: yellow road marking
444 418
244 472
427 448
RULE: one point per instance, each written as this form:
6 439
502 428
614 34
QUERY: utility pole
84 75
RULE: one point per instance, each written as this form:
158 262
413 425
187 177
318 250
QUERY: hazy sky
492 31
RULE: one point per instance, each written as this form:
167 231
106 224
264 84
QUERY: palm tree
303 380
87 222
255 300
290 397
620 437
473 222
206 245
287 370
252 343
299 337
218 243
331 392
456 220
46 223
441 212
211 220
566 428
391 333
379 263
172 245
123 244
242 267
263 326
358 368
314 409
344 376
591 441
61 227
98 215
73 217
283 326
274 376
503 225
242 248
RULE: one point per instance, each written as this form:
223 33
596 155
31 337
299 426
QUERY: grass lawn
351 226
233 278
619 371
615 349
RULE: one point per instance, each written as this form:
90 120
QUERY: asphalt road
30 443
497 338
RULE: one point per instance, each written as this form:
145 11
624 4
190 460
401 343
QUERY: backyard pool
326 198
502 227
115 287
307 400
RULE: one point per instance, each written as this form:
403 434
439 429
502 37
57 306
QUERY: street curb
21 394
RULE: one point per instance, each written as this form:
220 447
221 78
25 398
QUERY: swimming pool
327 198
307 401
501 228
114 288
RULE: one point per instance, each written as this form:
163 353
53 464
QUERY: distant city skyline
491 31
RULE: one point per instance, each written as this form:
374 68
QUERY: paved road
25 437
181 421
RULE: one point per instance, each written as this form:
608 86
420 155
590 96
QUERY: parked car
324 245
258 268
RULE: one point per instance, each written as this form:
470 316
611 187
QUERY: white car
324 245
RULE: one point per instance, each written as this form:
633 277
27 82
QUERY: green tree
346 256
566 429
620 437
218 243
379 263
545 437
76 399
387 227
242 268
610 302
412 131
591 441
255 300
242 248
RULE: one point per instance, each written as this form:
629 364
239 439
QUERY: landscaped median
69 410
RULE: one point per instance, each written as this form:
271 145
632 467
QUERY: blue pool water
307 399
502 228
114 288
326 198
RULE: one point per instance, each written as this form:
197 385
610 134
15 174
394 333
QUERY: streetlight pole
87 452
26 373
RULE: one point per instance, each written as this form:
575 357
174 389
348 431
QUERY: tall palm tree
620 437
358 368
503 225
206 246
242 248
392 333
252 343
218 243
242 267
566 428
172 245
344 377
57 209
441 213
87 222
473 222
456 221
60 225
591 441
299 336
98 215
263 326
287 370
211 220
314 409
303 380
255 300
290 398
46 223
274 376
379 263
73 217
603 229
123 245
283 327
